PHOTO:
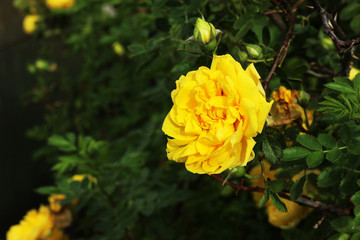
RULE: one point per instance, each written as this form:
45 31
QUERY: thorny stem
330 27
303 200
285 45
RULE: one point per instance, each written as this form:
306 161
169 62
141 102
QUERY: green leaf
309 141
333 155
340 87
339 236
354 148
61 143
297 188
356 198
47 190
355 236
348 184
327 140
357 220
264 199
343 224
314 159
295 153
356 81
278 203
349 11
357 210
355 24
329 177
277 185
272 150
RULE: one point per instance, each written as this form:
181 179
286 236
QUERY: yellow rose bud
29 23
118 48
204 32
42 64
60 4
254 51
353 73
217 111
304 98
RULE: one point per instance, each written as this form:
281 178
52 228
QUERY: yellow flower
54 201
29 23
204 31
353 73
118 48
60 4
80 178
215 116
277 218
35 225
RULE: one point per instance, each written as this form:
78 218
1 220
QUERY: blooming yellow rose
60 4
35 225
277 218
215 116
29 23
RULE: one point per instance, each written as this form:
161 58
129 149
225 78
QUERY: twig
330 25
303 200
285 45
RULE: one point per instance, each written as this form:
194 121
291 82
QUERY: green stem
325 151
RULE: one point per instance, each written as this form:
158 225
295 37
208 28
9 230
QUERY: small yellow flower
29 23
353 73
204 32
54 201
215 116
277 218
60 4
80 177
118 48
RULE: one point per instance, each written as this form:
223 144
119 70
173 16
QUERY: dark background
19 173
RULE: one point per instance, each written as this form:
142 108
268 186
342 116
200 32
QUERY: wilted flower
215 116
54 202
29 23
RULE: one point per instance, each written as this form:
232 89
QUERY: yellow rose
29 23
35 225
277 218
60 4
215 116
353 73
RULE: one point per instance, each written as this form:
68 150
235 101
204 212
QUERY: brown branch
285 45
302 200
330 27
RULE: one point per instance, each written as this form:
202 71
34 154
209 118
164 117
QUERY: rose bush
216 114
